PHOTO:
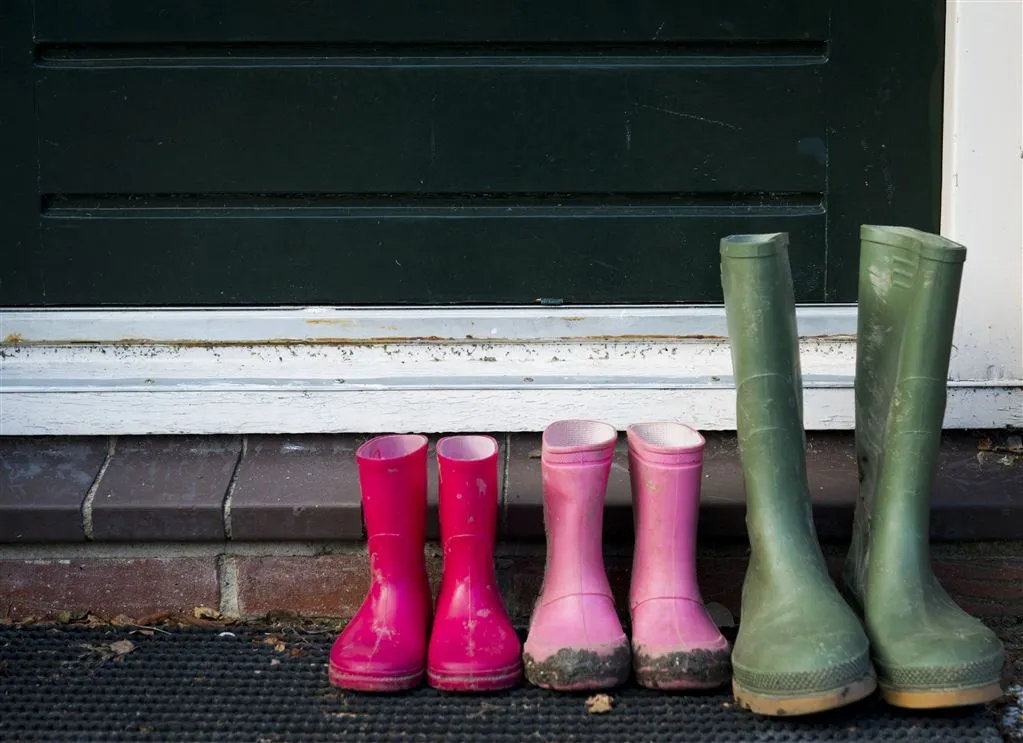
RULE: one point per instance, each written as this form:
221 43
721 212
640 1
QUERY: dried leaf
122 647
120 620
204 612
279 647
599 704
145 632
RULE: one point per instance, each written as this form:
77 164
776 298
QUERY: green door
268 152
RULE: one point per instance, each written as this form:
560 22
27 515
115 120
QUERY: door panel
315 152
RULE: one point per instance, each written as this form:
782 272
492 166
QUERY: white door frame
126 371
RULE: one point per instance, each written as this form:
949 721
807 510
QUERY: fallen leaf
279 647
122 647
145 632
598 704
204 612
274 662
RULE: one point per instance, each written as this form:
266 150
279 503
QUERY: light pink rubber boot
383 648
675 643
473 646
575 639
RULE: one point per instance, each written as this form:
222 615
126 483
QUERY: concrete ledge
306 488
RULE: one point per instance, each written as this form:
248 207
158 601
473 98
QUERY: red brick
985 586
322 585
107 586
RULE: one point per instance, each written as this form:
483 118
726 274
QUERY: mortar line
229 495
227 577
90 495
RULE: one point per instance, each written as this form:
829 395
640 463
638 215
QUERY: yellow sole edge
939 699
772 706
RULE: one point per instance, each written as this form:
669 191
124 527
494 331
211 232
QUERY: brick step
271 488
252 580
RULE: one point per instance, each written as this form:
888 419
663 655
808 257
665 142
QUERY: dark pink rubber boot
473 646
383 648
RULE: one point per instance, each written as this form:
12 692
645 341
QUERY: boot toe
697 668
676 645
800 655
483 657
580 667
559 654
922 661
365 660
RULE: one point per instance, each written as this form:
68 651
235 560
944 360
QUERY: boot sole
705 669
771 706
368 682
495 680
943 698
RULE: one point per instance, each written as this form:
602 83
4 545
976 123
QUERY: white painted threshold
88 372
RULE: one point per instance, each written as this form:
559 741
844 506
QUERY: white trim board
385 369
86 372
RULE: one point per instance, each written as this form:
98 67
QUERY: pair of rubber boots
801 648
472 645
575 639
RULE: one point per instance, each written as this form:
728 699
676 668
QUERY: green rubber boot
800 648
928 652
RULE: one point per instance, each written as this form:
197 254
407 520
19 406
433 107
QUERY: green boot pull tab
800 648
928 652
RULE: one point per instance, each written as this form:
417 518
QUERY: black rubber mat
81 684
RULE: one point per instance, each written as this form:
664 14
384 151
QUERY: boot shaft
468 492
468 495
761 318
576 463
909 290
665 466
392 477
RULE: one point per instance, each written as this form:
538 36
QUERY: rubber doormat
207 685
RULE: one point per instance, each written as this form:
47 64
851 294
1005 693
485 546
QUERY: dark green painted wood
884 97
442 256
425 21
195 153
20 273
536 128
